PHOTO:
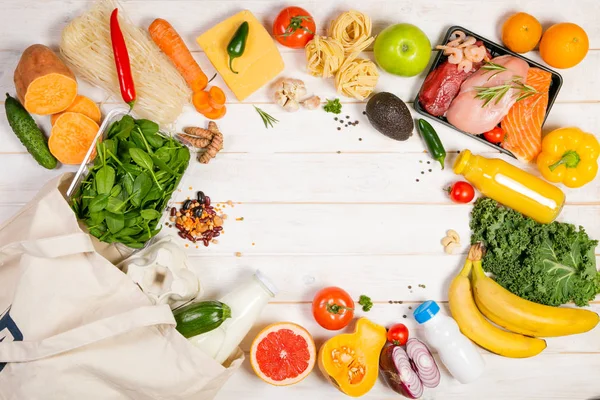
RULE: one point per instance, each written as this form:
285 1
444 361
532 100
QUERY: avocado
390 116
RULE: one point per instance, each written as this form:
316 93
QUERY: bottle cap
426 311
270 286
461 162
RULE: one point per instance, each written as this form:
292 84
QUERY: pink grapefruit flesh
283 354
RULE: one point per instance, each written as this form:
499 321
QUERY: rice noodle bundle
357 78
87 48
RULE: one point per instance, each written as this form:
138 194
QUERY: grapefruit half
283 354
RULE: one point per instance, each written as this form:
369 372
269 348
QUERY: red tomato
461 192
398 334
333 308
294 27
495 136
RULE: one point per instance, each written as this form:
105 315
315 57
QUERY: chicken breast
467 112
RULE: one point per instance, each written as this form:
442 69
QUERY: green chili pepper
433 142
237 45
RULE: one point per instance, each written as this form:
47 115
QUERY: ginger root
210 139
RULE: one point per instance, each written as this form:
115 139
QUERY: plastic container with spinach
135 172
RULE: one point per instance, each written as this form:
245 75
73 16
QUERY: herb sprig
496 93
333 106
268 120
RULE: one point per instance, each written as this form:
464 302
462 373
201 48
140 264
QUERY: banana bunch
524 321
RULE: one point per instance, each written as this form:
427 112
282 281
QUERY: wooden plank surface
323 206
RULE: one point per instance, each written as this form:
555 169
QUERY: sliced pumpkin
215 113
350 361
82 105
71 137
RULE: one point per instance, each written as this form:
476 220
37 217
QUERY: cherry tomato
397 334
333 308
294 27
461 192
495 136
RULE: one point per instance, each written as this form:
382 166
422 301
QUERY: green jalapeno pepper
237 45
433 142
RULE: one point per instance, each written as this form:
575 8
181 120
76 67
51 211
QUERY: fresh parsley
365 302
333 106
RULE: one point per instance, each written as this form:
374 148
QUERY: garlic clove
291 106
280 98
311 103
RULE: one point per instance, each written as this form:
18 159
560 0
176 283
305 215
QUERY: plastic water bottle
457 352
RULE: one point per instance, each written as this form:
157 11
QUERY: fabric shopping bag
73 326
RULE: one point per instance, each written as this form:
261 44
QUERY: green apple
402 49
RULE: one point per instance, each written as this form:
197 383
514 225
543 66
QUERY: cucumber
28 133
201 317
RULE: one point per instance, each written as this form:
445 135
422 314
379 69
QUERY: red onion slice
398 372
423 362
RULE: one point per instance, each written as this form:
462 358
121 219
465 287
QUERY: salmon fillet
523 123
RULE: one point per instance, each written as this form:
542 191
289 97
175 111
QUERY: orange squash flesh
71 137
45 85
350 361
82 105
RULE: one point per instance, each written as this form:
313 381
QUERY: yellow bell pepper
569 156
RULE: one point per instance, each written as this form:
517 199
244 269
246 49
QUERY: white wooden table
326 207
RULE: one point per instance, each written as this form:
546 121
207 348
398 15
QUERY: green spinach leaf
105 179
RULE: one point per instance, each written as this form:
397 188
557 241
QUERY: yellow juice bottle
511 186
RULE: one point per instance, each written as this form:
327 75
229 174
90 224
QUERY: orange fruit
521 32
564 45
283 354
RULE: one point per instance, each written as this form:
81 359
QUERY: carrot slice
71 137
215 113
200 100
216 97
81 105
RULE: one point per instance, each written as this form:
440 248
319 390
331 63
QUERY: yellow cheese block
260 62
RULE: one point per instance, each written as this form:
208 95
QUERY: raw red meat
442 85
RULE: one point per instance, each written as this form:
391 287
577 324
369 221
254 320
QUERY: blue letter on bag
9 331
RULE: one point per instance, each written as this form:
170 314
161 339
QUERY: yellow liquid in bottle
511 186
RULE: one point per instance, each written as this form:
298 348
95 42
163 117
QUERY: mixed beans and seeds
197 220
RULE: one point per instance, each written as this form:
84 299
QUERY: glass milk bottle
246 303
457 352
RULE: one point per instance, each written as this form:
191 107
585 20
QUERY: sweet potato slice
82 105
45 85
71 137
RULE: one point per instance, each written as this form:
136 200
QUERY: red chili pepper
122 60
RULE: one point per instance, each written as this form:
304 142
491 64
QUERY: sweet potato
45 85
71 137
81 105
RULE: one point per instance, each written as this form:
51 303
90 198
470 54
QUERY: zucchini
201 317
28 133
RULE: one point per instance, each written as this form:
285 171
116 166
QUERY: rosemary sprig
490 66
496 93
268 120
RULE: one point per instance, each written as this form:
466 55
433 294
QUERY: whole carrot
169 41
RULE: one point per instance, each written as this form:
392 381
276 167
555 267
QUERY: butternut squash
45 85
71 137
350 361
82 105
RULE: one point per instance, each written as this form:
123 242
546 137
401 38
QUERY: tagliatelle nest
357 78
353 30
324 56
